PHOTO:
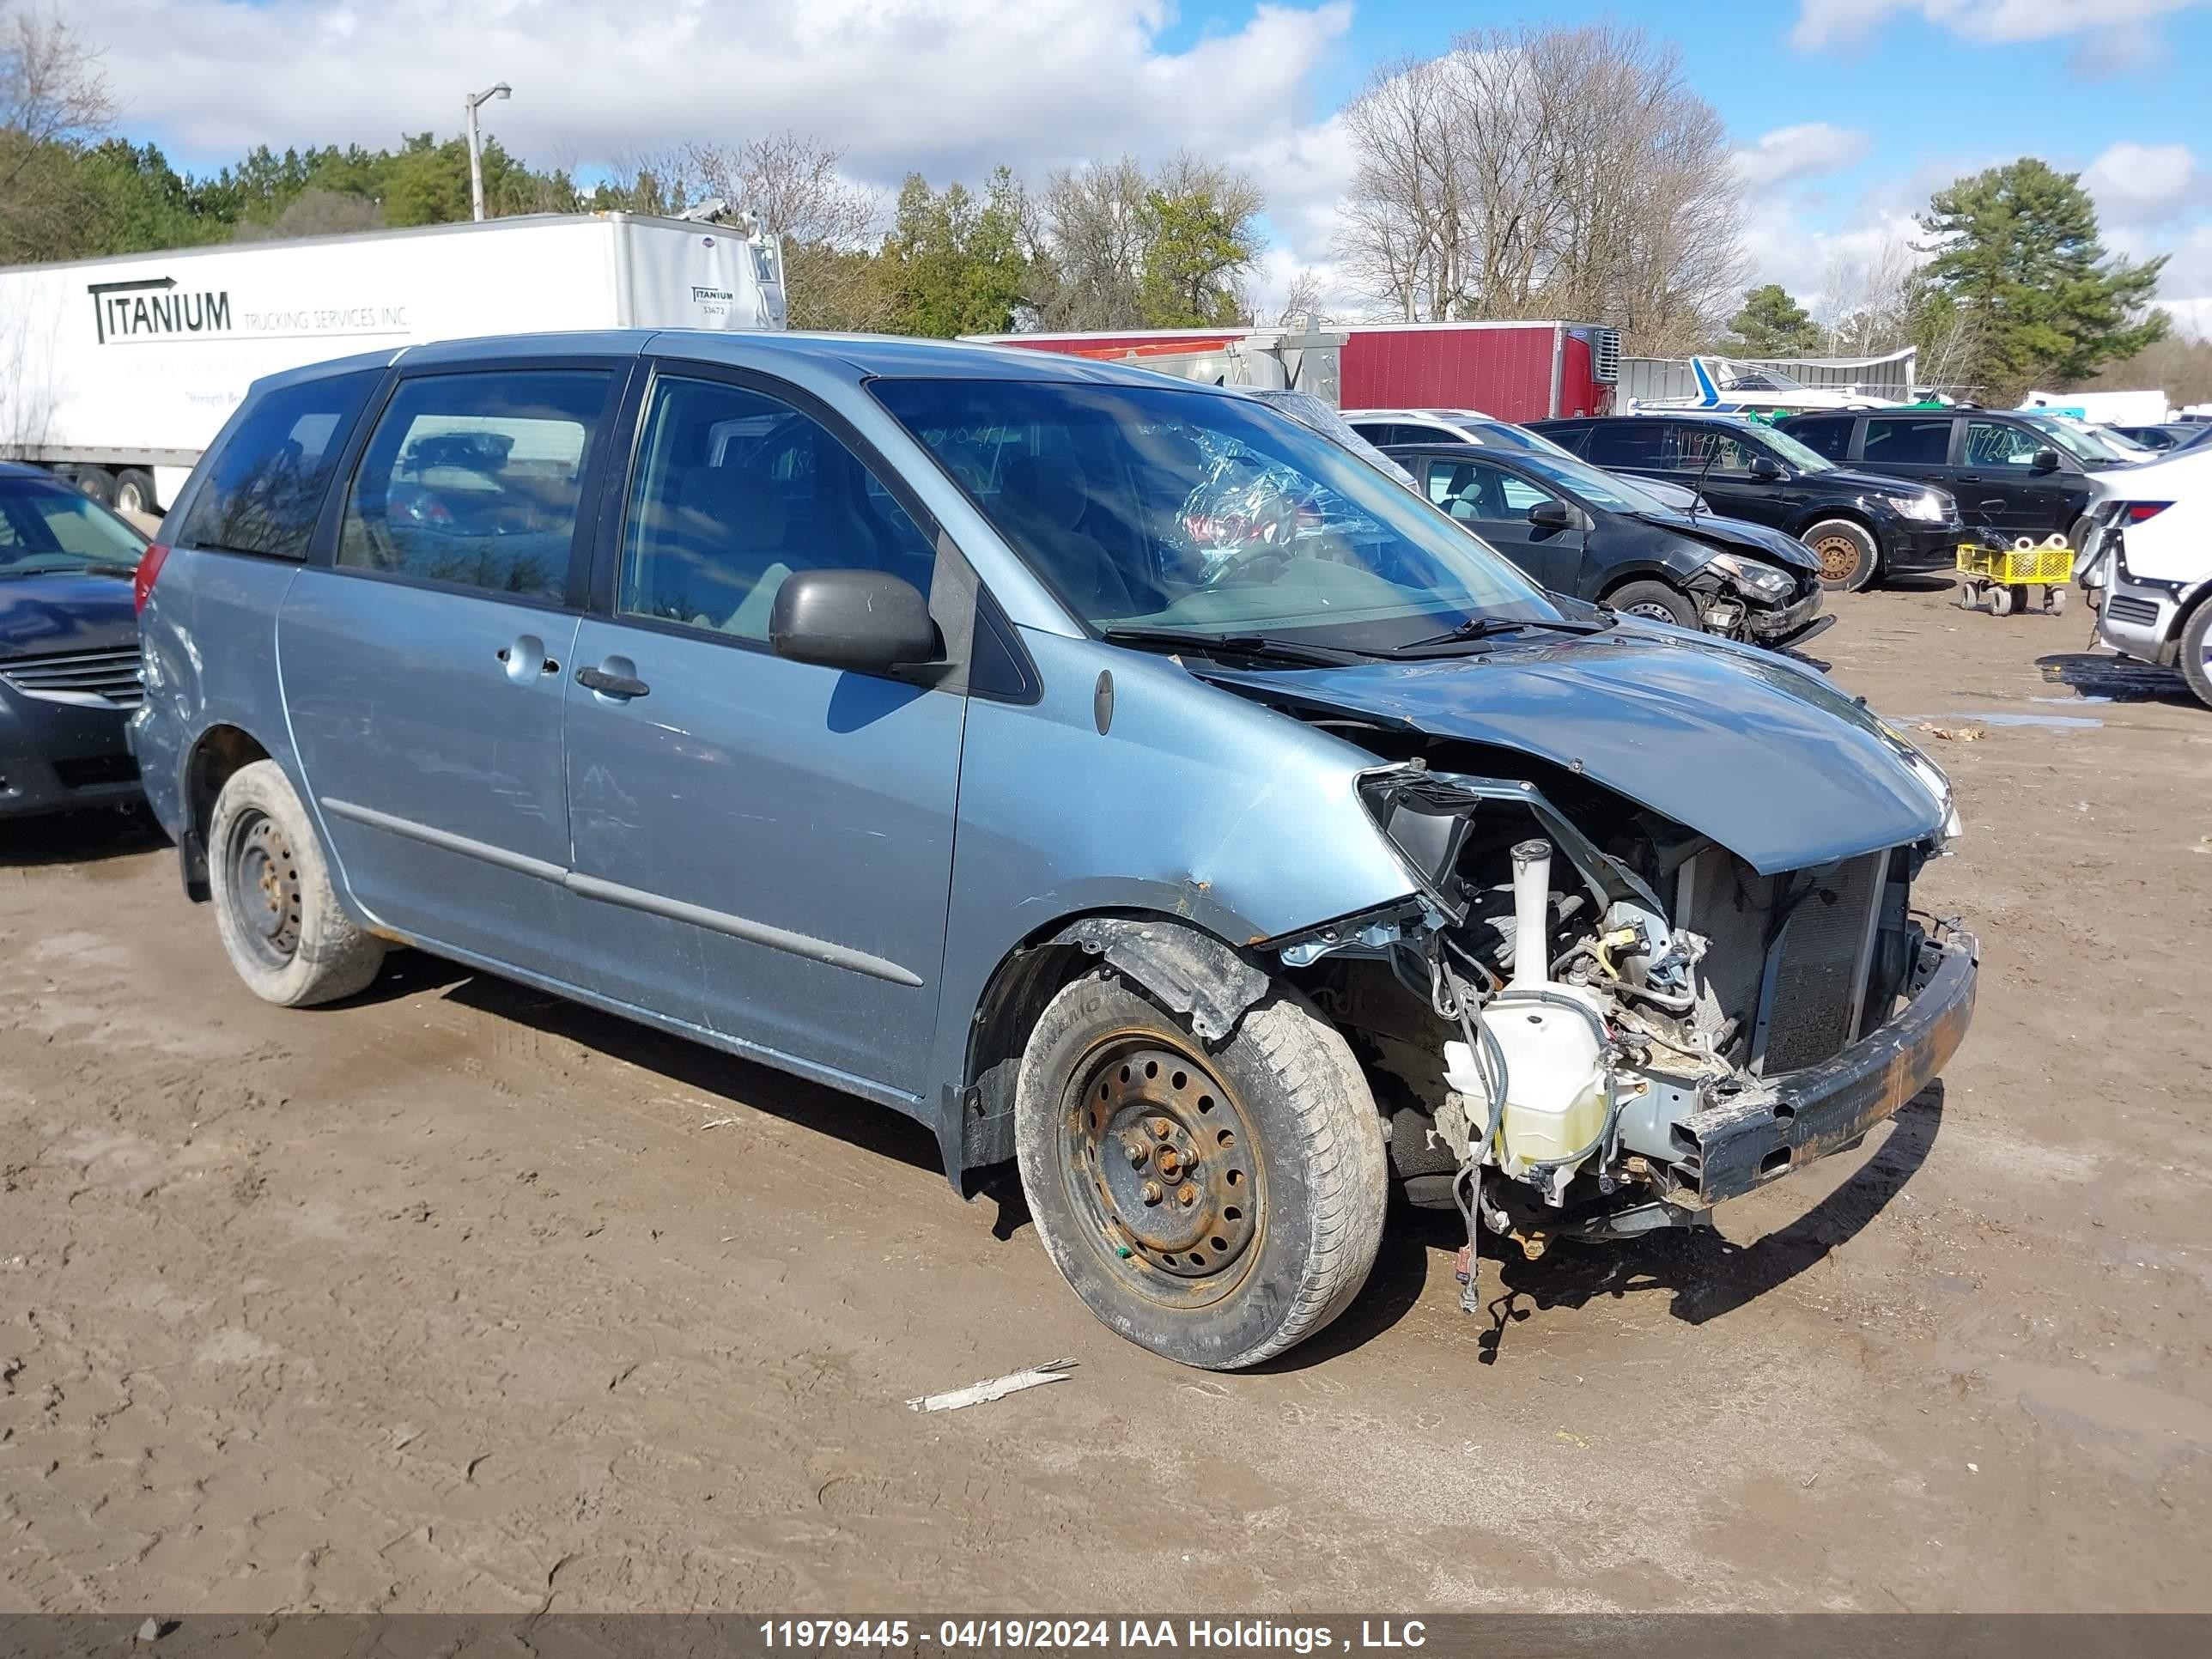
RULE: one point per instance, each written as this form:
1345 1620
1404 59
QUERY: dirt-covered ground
460 1297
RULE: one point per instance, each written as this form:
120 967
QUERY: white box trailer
117 372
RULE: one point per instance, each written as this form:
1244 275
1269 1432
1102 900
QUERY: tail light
149 568
2136 512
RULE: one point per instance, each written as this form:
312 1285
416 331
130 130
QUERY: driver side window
1992 443
1476 492
734 491
1692 444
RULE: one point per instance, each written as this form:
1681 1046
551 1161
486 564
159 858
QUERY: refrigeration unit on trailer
117 372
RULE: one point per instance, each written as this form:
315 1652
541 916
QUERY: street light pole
476 146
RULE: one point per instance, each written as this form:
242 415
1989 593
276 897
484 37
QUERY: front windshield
2084 443
1801 456
1170 508
47 529
1598 488
1745 377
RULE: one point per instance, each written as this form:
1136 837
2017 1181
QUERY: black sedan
1581 531
68 648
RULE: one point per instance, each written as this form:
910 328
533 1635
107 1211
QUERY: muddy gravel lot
459 1297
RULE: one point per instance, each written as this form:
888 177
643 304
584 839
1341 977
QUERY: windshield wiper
1256 646
1483 628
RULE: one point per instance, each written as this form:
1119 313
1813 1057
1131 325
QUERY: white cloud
1828 22
948 87
1800 152
2142 184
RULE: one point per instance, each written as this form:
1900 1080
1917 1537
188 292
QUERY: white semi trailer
117 372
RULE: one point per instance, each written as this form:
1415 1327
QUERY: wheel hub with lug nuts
1839 556
269 889
1162 1150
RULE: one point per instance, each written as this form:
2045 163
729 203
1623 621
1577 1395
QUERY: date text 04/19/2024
1218 1636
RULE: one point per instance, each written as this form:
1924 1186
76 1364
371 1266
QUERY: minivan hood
1770 545
40 616
1764 756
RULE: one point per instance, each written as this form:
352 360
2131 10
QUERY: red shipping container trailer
1515 371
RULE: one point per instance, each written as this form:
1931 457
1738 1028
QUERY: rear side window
1829 434
476 480
265 486
1629 443
1907 442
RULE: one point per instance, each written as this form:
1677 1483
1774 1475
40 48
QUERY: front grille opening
93 770
1787 957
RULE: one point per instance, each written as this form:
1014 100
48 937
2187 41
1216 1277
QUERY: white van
2146 563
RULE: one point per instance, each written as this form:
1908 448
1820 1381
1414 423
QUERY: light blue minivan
1112 773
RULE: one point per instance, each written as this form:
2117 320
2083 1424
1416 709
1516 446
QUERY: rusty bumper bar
1753 1139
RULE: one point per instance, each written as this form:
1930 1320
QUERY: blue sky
1845 112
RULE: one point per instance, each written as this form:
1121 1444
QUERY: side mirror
867 620
1549 514
1764 470
2044 460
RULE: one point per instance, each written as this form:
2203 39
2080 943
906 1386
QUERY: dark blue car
68 648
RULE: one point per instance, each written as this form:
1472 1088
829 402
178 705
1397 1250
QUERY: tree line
1523 172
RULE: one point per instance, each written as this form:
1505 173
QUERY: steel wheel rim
128 499
1652 610
265 888
1839 556
1162 1168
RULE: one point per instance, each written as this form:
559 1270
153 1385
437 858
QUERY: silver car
1112 774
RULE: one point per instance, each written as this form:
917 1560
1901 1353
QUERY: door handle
611 686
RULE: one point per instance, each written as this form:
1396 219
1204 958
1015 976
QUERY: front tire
1215 1205
1850 557
275 906
2195 653
1657 602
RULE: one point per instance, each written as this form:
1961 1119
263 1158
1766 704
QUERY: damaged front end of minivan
1592 1019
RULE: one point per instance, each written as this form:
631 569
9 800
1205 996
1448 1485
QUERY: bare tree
1118 247
1545 171
53 101
1302 301
1091 219
1866 298
795 186
314 213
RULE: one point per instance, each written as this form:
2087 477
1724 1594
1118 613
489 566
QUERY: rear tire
96 482
1655 601
275 906
1214 1204
134 492
1850 557
2195 653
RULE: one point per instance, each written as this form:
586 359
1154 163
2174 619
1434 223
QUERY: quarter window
264 488
475 479
1894 441
735 490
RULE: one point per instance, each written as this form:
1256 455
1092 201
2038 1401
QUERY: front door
1495 503
763 846
1998 485
1914 447
1716 462
424 669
